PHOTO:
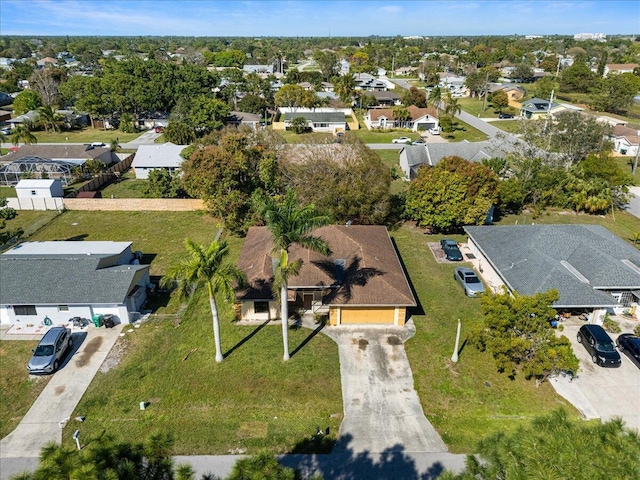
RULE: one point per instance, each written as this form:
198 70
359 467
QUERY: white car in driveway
401 140
434 131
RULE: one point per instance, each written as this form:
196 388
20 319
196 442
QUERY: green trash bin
97 320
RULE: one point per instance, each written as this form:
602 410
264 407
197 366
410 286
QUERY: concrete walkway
382 411
42 423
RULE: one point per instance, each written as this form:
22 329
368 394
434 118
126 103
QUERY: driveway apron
382 411
44 421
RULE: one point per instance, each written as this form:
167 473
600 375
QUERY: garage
366 315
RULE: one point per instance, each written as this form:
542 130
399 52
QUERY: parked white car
434 131
401 140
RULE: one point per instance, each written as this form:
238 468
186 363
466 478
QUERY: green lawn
310 138
511 126
159 235
468 400
463 131
391 158
86 135
31 220
7 192
17 390
127 187
383 136
474 106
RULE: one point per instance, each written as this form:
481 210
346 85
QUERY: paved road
633 207
57 401
382 411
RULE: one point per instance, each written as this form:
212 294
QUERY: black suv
599 345
451 250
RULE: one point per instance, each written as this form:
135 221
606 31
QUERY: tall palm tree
401 115
114 145
345 87
290 224
49 118
451 105
435 97
22 134
206 265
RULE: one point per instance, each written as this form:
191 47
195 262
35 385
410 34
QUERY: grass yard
127 187
7 192
252 400
468 400
391 158
511 126
31 220
463 131
474 106
86 135
309 138
159 235
17 390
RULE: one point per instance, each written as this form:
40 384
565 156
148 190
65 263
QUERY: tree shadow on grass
245 339
308 339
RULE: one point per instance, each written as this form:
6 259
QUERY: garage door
351 316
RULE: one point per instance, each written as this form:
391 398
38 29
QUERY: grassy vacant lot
511 126
467 400
17 390
159 235
474 106
127 187
311 137
86 135
464 131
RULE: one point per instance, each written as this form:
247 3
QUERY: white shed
39 188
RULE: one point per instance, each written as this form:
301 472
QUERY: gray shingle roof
315 117
538 258
64 280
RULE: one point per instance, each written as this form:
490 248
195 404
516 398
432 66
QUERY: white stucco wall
249 314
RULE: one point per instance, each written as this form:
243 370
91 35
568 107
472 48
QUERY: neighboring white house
421 119
164 156
618 68
626 140
39 188
61 280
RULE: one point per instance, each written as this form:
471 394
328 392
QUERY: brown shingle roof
415 112
622 66
372 271
631 134
67 152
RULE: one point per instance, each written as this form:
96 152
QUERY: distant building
590 36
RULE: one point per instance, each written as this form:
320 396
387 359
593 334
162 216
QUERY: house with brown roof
77 154
383 118
362 282
618 68
626 141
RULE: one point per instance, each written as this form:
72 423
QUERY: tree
327 62
451 105
453 193
351 183
180 132
163 184
94 166
251 103
401 115
293 96
263 466
499 99
128 123
22 134
577 78
544 86
523 72
207 266
615 93
299 125
26 101
230 58
208 114
289 224
114 145
49 118
517 332
45 83
345 87
416 97
476 83
7 213
435 97
554 447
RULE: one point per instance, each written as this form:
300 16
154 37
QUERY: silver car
469 280
49 352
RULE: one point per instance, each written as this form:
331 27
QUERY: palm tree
435 97
22 134
114 146
49 118
207 266
451 105
401 115
290 224
345 87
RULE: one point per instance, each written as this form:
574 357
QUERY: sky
317 18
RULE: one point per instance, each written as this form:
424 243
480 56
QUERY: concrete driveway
602 392
42 423
382 411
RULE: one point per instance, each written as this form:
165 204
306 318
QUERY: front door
307 300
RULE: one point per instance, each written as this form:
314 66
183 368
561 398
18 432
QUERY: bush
610 325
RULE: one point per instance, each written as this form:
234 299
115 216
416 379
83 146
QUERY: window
33 192
25 309
260 307
63 308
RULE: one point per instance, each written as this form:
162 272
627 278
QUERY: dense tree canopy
518 334
453 193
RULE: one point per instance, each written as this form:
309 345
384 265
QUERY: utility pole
486 92
635 162
454 357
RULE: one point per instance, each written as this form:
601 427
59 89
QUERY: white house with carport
165 156
591 268
52 282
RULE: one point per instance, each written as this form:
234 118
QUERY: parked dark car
505 115
630 346
451 250
49 352
599 345
469 280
